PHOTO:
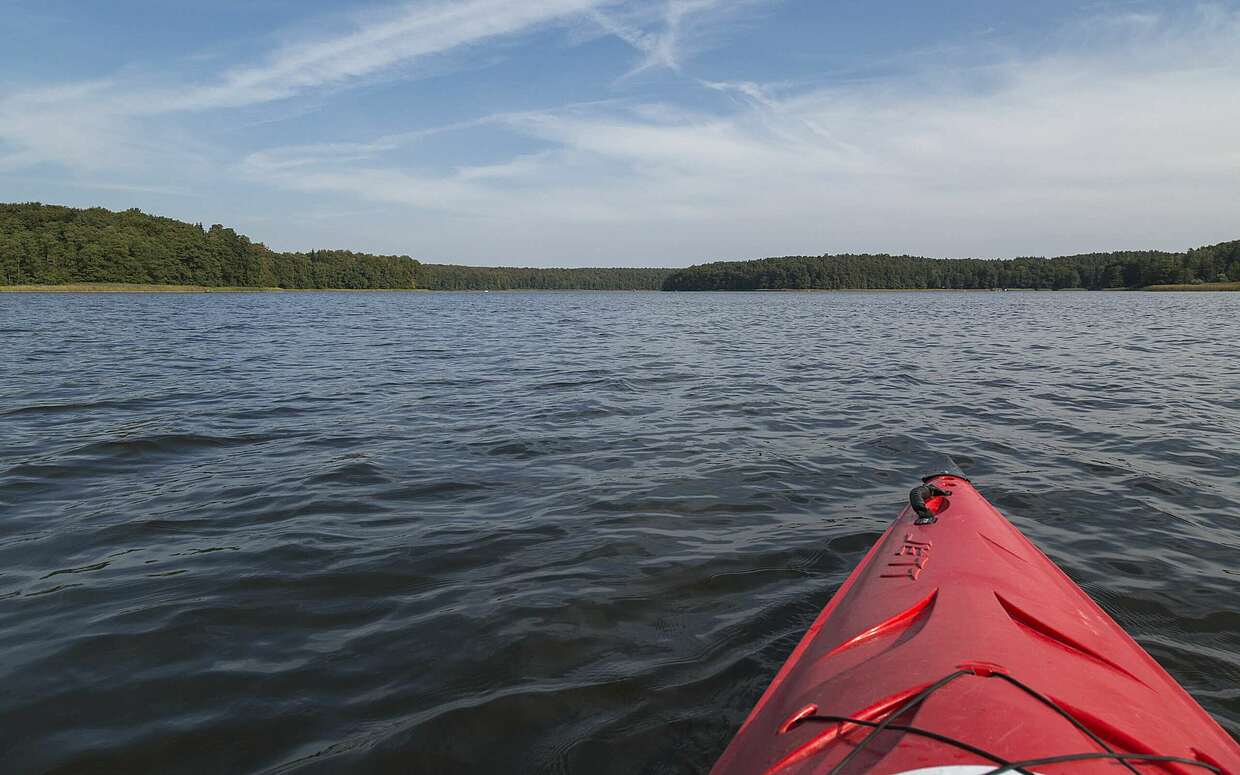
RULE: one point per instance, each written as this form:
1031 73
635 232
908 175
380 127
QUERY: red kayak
957 647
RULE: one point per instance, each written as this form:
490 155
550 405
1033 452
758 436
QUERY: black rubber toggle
917 498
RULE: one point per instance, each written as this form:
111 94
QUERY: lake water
317 532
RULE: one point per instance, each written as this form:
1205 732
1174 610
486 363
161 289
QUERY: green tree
47 244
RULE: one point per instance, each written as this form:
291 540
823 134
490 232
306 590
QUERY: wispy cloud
668 32
1123 134
666 47
1127 143
105 123
108 123
415 31
106 185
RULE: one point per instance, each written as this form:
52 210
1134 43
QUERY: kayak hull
1030 666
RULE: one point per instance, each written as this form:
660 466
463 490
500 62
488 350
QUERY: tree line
50 245
446 277
1127 269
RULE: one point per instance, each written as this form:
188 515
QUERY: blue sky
635 132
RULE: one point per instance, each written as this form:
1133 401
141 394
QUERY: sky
635 132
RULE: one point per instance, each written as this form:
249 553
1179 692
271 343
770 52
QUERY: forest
1095 271
49 245
445 277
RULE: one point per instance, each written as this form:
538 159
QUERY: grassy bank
1196 287
143 288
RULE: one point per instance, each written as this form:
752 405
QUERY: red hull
969 595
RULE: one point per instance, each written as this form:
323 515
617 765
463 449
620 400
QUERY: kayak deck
957 642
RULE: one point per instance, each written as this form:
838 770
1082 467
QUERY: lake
558 532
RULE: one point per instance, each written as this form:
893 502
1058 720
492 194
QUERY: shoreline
1221 287
159 288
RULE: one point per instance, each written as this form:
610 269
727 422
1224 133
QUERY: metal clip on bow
917 498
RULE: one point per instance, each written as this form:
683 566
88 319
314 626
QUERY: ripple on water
555 533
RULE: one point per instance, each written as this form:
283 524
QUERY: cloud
668 32
1128 141
123 122
666 47
1122 134
416 31
108 123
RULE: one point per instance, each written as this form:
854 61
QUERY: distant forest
444 277
48 245
1217 263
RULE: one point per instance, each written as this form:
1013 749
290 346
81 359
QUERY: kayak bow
956 646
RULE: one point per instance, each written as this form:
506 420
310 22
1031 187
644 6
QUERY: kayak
956 647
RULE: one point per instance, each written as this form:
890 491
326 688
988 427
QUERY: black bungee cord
1004 766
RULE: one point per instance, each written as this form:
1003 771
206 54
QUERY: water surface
555 532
